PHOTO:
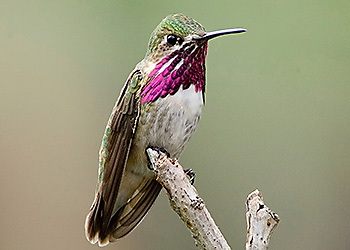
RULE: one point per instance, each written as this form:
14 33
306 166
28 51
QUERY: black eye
171 40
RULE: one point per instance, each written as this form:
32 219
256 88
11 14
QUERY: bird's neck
183 67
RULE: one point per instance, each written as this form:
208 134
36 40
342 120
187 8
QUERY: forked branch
185 201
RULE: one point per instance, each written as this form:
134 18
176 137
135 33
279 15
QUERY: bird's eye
171 40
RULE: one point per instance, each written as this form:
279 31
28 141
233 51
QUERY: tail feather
130 218
93 222
124 220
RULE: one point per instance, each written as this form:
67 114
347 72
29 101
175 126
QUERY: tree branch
261 222
185 201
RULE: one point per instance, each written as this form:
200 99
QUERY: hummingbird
159 106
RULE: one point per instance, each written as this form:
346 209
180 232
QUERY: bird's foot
191 175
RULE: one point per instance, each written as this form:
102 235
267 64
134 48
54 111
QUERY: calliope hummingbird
159 106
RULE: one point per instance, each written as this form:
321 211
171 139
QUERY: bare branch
261 222
185 201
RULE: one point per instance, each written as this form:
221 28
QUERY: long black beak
213 34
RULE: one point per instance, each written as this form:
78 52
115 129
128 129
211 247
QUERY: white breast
170 122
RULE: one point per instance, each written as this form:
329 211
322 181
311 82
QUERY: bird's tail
104 230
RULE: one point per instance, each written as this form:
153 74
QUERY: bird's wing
114 153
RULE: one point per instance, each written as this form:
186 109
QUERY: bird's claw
190 174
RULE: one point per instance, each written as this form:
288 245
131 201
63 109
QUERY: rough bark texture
261 222
185 201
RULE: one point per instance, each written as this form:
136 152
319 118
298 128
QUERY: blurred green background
276 118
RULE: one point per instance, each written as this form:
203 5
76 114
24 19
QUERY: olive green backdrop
276 118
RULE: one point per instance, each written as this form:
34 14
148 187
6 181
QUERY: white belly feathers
170 122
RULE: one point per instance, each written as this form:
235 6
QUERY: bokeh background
276 118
